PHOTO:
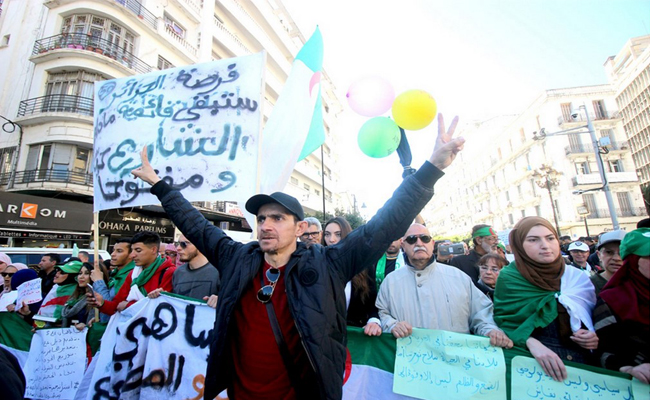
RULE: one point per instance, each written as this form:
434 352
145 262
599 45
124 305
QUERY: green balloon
379 137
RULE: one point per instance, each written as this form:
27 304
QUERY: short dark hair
148 238
123 240
53 257
565 237
501 262
84 252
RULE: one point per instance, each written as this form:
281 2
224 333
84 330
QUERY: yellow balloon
414 109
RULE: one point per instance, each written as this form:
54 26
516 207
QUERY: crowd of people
284 301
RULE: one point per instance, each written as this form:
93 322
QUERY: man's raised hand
146 171
446 147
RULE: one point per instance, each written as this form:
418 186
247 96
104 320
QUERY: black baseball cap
290 203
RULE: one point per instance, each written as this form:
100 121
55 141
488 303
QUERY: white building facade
52 52
496 182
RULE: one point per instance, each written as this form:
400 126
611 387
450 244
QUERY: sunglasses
265 293
183 244
310 234
7 274
412 239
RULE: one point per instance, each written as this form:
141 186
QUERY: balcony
171 32
612 177
45 177
55 107
625 212
140 11
580 117
588 148
89 44
229 39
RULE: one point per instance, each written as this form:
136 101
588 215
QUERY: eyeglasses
412 239
310 234
485 268
265 293
7 274
184 244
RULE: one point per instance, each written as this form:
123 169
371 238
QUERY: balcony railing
138 9
612 177
82 41
49 176
580 117
174 35
56 103
620 212
588 148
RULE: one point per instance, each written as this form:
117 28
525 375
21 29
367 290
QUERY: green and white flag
15 335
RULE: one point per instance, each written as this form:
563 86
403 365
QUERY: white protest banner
433 364
29 292
55 365
155 349
6 299
200 124
529 381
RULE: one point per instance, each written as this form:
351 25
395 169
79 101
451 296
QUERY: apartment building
501 174
629 73
52 52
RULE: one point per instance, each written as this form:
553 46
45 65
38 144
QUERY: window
71 92
538 211
590 202
294 181
163 63
599 109
6 157
615 166
317 192
173 26
575 143
624 203
100 32
582 168
59 162
566 112
306 186
522 135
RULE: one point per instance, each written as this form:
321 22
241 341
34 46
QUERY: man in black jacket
280 328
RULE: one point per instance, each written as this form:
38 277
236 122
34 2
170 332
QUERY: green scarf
119 276
520 307
146 274
380 272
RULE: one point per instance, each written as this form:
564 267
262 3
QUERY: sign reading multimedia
130 222
21 212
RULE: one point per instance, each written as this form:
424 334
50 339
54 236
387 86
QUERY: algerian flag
295 127
369 367
15 335
54 301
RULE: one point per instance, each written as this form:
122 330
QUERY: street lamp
547 178
599 161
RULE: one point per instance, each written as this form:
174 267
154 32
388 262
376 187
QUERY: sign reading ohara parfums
200 124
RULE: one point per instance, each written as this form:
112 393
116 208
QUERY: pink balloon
371 96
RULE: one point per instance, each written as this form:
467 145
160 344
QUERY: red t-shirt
259 370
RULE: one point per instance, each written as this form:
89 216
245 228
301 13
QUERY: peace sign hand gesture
146 171
446 148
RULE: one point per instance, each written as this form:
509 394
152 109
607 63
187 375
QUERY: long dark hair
360 281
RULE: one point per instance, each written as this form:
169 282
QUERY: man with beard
430 295
196 278
389 262
485 241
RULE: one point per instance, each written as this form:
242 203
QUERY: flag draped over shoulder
295 127
55 300
15 335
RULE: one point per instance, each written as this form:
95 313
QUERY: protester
13 379
23 274
389 262
579 252
151 272
76 310
440 257
622 315
122 264
313 234
4 261
83 256
485 241
565 242
195 278
490 266
47 274
427 294
170 252
610 258
65 282
361 292
244 355
541 303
